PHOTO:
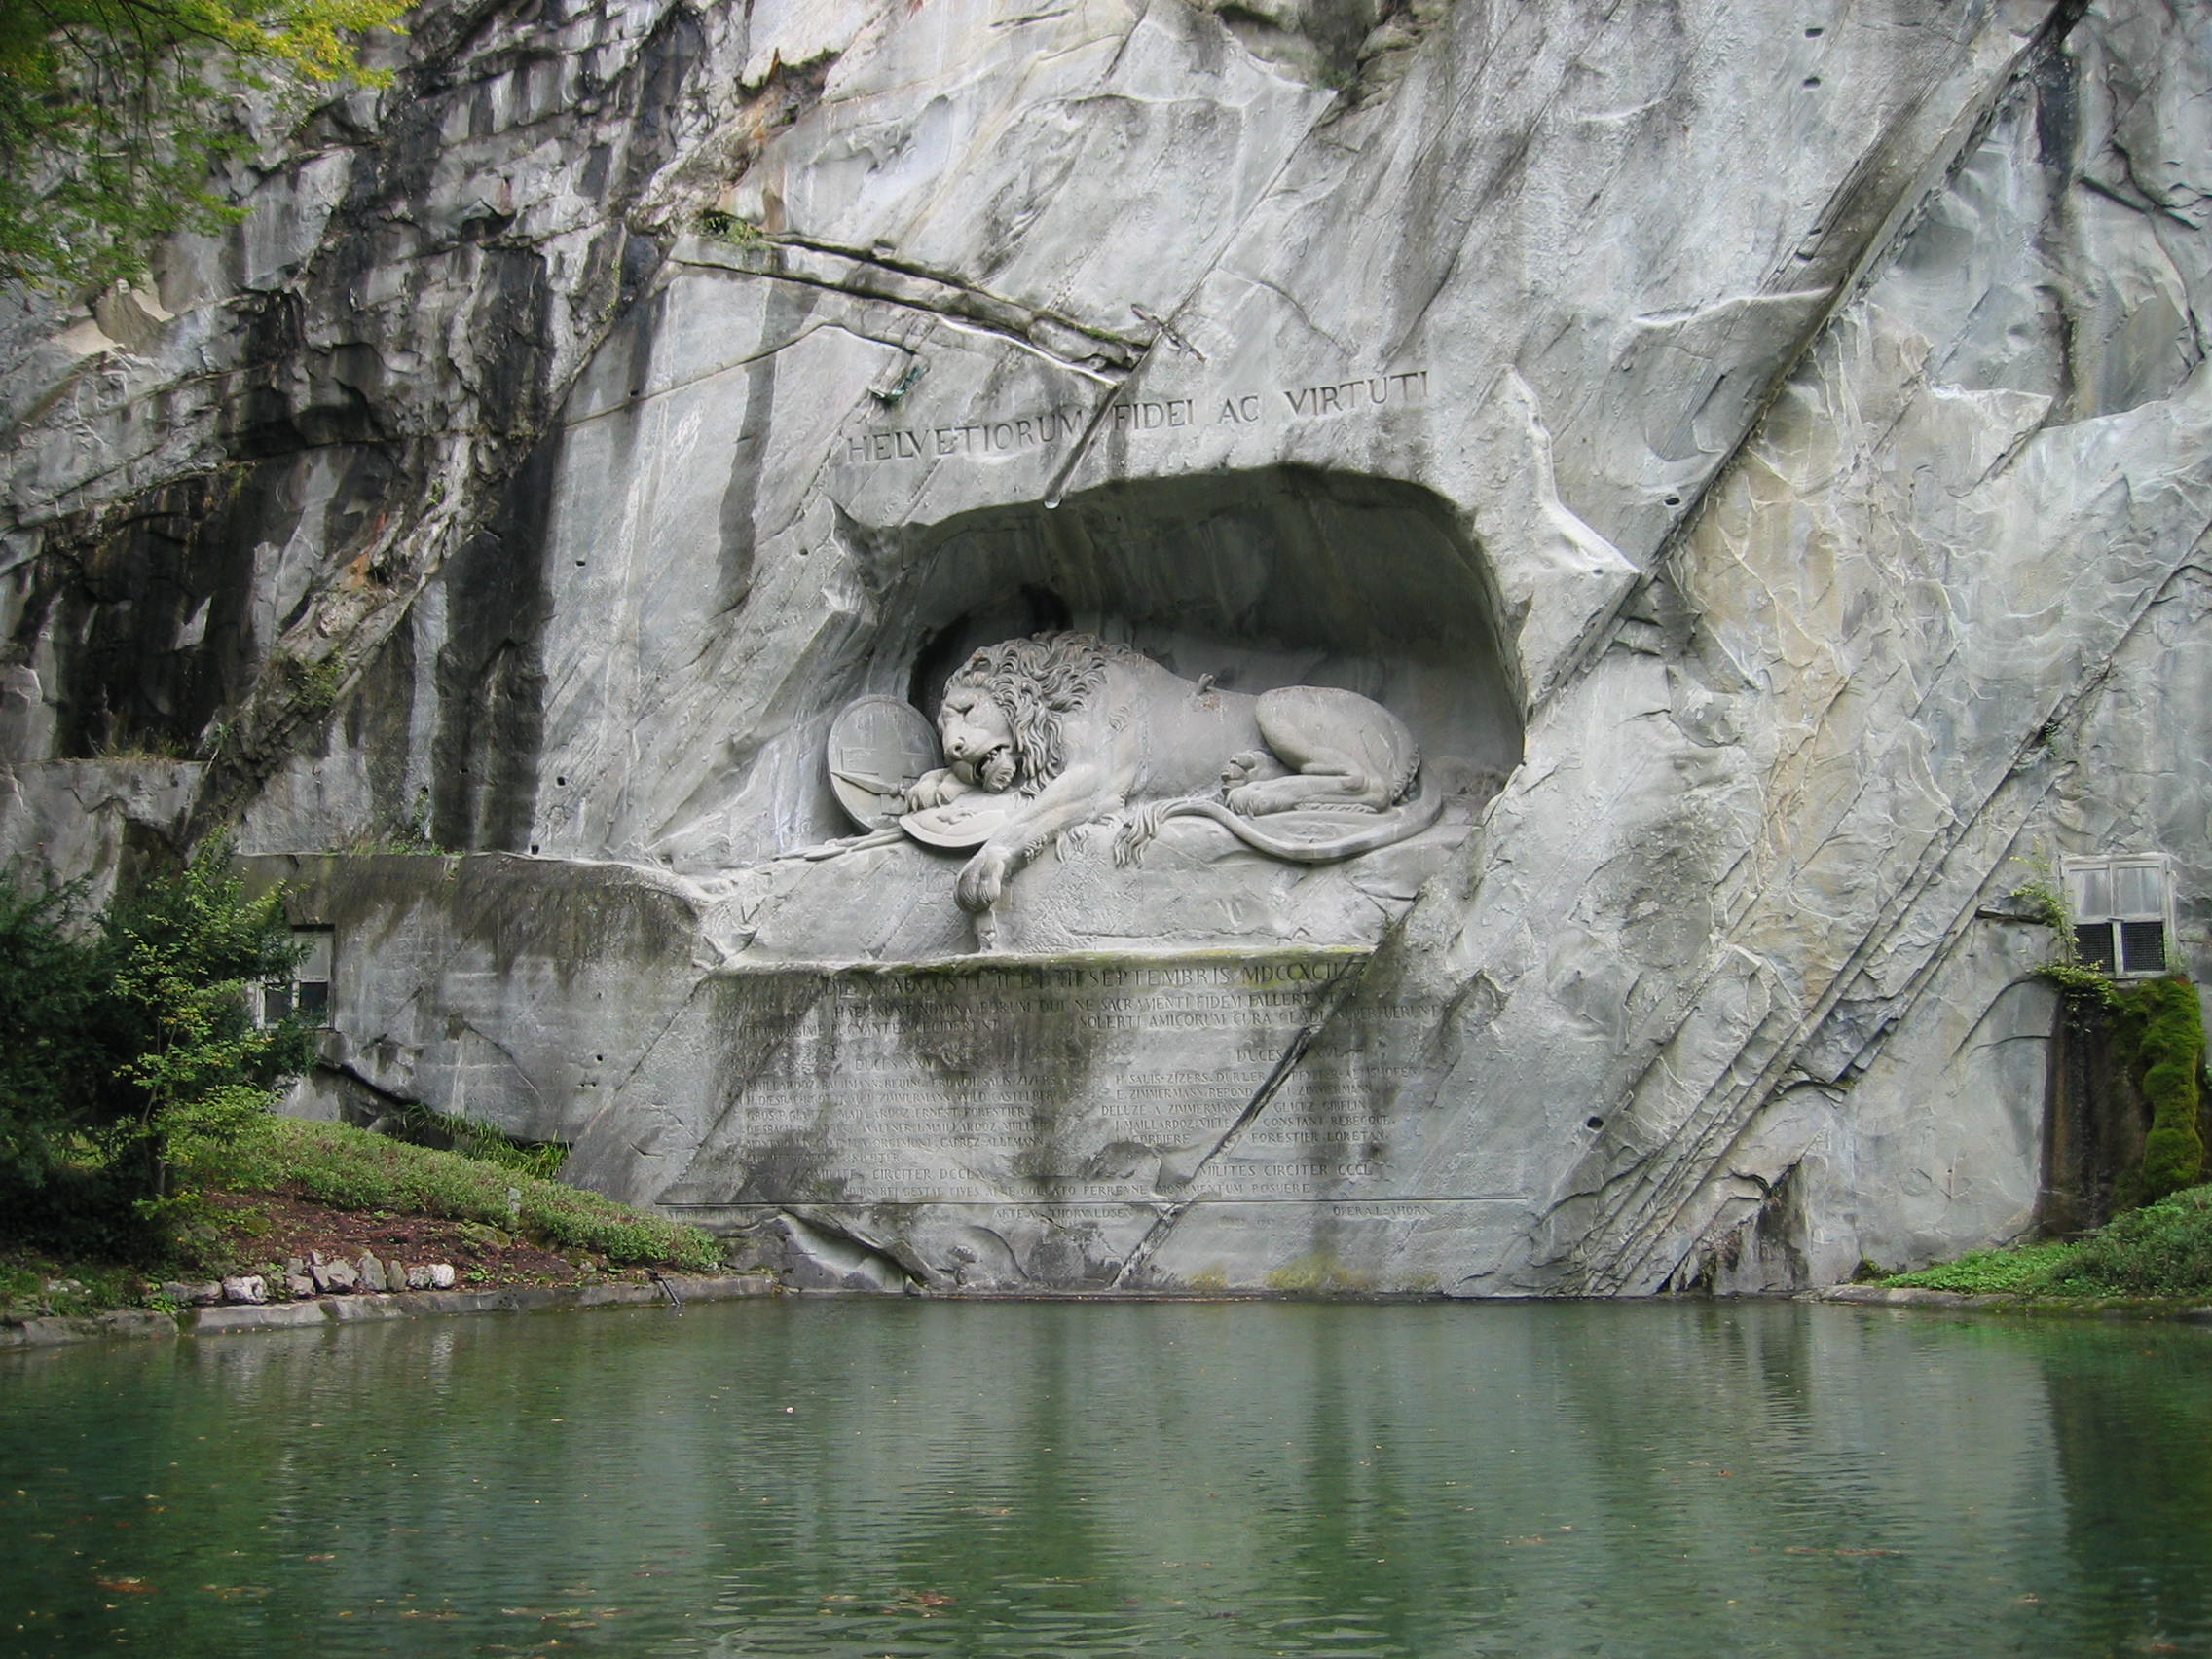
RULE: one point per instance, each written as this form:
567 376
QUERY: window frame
2076 874
280 998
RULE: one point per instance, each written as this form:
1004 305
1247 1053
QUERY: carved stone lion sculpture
1066 729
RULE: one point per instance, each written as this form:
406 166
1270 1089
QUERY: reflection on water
891 1478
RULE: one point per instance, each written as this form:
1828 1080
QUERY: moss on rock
2160 1032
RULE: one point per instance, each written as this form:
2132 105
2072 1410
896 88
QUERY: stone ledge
371 1308
266 1316
1883 1296
54 1331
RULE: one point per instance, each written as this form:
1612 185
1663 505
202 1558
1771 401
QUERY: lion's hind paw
1240 767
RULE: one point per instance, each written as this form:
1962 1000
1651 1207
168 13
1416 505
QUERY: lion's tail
1400 823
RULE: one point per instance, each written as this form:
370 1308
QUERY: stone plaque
1036 1121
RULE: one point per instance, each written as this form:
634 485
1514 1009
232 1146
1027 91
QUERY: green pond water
871 1477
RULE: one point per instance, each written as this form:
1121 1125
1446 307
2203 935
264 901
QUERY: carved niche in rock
1043 736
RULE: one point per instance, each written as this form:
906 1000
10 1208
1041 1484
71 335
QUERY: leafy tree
128 1039
186 1059
49 981
113 113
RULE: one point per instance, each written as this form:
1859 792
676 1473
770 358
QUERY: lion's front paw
983 880
934 789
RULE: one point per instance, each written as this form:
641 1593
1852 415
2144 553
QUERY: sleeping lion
1076 730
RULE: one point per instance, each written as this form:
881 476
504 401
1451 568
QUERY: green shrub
443 1131
127 1034
313 684
351 1168
2014 1270
2164 1249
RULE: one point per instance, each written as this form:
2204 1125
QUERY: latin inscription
990 433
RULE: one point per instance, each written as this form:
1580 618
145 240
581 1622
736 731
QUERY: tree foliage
114 112
49 983
127 1036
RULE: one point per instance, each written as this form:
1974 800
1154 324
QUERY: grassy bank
287 1185
349 1169
2163 1251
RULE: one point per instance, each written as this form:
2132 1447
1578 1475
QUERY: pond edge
1958 1301
56 1331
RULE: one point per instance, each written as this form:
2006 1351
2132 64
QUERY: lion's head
1003 709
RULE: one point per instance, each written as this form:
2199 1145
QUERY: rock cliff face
1776 442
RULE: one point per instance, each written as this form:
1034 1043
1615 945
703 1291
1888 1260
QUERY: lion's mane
1037 683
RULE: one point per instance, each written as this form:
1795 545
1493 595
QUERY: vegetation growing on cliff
2159 1043
113 114
2157 1050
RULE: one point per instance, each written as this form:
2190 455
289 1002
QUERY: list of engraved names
1099 1079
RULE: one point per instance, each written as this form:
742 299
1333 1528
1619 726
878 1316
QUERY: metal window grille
2093 946
2142 947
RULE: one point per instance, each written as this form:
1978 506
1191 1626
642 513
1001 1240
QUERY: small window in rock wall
2123 912
308 991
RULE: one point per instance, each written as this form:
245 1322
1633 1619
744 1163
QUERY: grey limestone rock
335 1278
1761 461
